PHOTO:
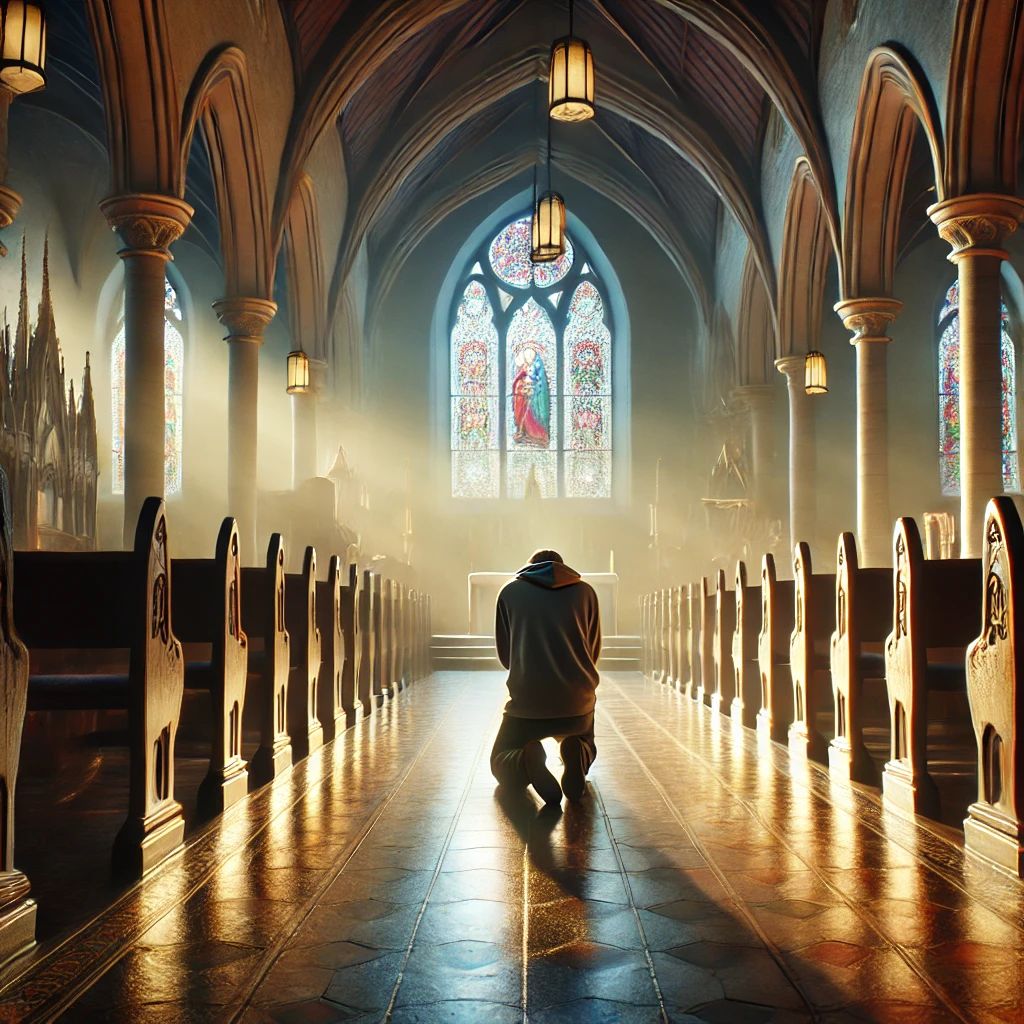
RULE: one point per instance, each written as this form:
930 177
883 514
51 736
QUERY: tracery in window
949 398
548 352
174 378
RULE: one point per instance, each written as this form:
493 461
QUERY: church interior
320 316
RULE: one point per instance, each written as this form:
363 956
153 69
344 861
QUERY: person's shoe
574 781
543 782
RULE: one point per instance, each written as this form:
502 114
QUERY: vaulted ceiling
684 91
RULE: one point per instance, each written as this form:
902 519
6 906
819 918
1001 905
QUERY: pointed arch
220 98
755 351
894 100
806 248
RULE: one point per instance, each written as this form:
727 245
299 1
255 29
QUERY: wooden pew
380 691
330 707
353 646
671 626
814 623
863 612
365 606
645 636
395 670
207 609
677 637
994 827
725 627
935 606
263 620
777 621
307 735
706 685
108 600
747 685
694 617
17 909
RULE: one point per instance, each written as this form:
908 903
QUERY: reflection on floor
705 879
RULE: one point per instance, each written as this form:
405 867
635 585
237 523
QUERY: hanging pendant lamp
815 373
547 228
571 78
298 373
22 46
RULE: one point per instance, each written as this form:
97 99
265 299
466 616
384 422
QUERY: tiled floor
706 878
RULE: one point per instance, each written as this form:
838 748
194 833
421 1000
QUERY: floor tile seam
904 953
755 926
782 764
484 740
623 874
65 994
305 907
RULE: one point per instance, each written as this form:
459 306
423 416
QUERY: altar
483 595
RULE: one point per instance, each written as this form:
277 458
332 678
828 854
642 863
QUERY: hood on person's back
549 574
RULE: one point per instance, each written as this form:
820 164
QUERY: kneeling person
548 635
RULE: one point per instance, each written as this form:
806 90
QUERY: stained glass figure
546 423
174 381
949 398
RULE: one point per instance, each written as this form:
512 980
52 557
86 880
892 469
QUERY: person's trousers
507 754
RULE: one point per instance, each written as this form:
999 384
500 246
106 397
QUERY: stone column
759 399
976 227
802 455
147 225
869 320
245 319
304 436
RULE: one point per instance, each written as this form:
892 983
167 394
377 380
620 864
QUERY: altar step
465 652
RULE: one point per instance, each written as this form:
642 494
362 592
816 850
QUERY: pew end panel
863 611
330 705
17 908
365 678
725 626
304 727
377 681
706 685
777 620
263 615
747 683
693 614
994 827
679 639
353 646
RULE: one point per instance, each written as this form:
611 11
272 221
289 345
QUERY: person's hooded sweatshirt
548 635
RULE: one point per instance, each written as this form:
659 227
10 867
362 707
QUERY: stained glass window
174 380
548 360
949 398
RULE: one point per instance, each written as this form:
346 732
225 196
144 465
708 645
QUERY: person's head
545 555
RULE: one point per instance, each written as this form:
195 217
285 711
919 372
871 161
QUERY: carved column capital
754 395
146 223
977 225
245 317
868 318
792 366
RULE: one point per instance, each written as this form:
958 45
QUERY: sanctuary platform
707 877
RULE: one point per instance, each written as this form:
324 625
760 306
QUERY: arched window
174 377
531 374
949 398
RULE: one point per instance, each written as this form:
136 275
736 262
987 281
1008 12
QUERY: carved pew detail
263 616
379 651
353 646
207 609
934 606
304 727
17 909
330 709
725 626
863 615
707 642
773 651
747 680
994 827
671 627
108 600
814 611
365 605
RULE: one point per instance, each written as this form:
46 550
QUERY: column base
269 763
142 844
219 792
902 791
848 765
995 838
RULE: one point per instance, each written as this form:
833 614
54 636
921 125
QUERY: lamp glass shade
298 372
815 373
571 80
23 47
548 228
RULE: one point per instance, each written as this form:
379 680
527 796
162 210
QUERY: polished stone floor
706 878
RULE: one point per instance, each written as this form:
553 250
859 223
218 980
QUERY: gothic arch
806 247
894 99
984 98
304 260
755 349
221 99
